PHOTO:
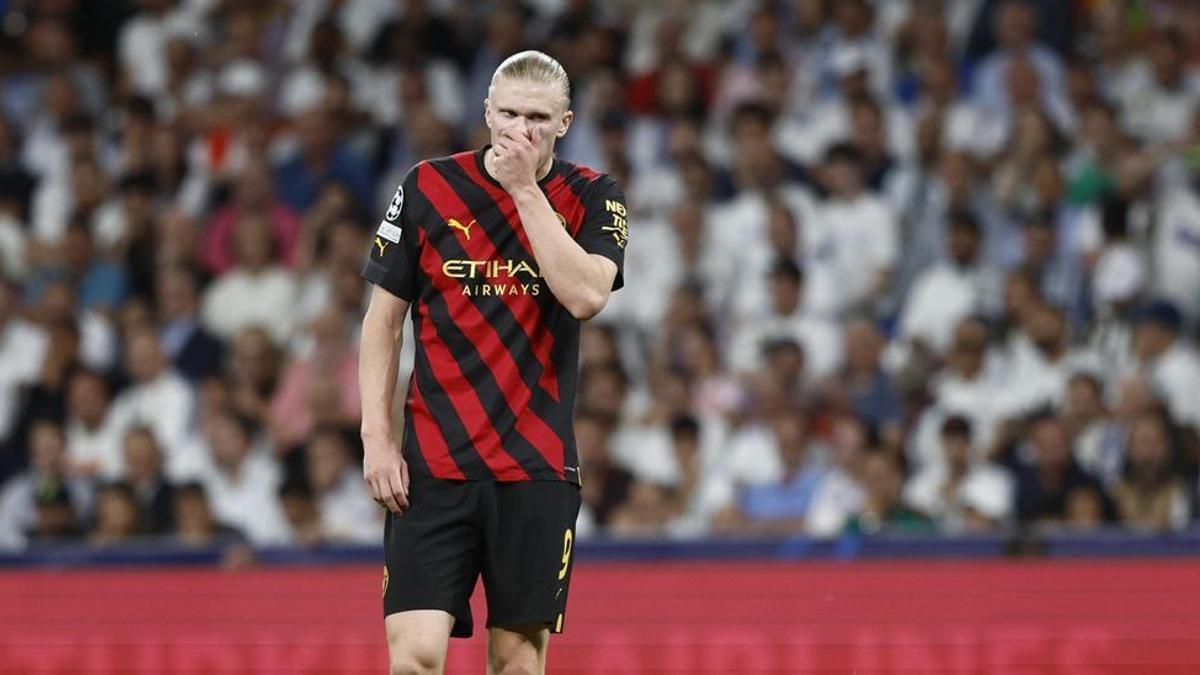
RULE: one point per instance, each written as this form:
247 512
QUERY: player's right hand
386 474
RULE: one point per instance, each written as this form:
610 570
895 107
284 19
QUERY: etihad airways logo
494 277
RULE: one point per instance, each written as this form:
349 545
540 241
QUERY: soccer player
501 253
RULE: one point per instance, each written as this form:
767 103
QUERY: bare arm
581 281
384 470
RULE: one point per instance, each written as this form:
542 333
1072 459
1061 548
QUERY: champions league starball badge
393 212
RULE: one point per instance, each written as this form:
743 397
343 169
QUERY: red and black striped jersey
492 393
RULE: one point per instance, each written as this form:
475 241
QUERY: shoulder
422 166
579 172
586 180
440 164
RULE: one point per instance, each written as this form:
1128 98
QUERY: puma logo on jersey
381 244
466 229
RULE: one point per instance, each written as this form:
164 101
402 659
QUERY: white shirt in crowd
820 339
1176 377
22 349
142 43
348 514
1153 112
18 507
239 299
942 297
837 498
165 405
985 489
249 499
848 244
1176 251
829 122
101 446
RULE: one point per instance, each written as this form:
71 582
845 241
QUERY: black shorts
519 536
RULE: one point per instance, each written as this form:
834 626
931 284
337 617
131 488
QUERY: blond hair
532 65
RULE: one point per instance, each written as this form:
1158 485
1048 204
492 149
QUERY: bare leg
417 641
518 650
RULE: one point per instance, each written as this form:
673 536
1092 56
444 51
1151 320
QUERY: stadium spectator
195 524
1168 360
93 439
301 512
157 398
961 493
950 291
148 485
321 387
320 157
883 508
45 501
118 519
1016 27
1150 496
346 513
1098 439
851 247
194 352
700 489
252 371
780 507
243 482
254 194
841 493
1175 246
23 348
787 319
1045 485
255 292
606 483
862 388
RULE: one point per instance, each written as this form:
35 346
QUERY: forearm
380 346
575 278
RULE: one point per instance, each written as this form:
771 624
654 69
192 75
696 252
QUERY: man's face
1041 241
957 448
845 179
1150 339
141 456
862 346
1149 446
1015 25
143 357
229 442
970 345
327 462
1084 399
47 448
176 295
785 294
1050 443
964 245
520 106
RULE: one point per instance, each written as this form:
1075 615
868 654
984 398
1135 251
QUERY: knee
521 660
416 662
516 667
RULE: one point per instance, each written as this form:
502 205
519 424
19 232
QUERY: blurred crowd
910 266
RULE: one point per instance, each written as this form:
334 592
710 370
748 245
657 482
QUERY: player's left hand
516 158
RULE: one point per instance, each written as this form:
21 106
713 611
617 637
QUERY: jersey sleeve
605 230
392 262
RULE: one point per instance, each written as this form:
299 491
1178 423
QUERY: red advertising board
1092 616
